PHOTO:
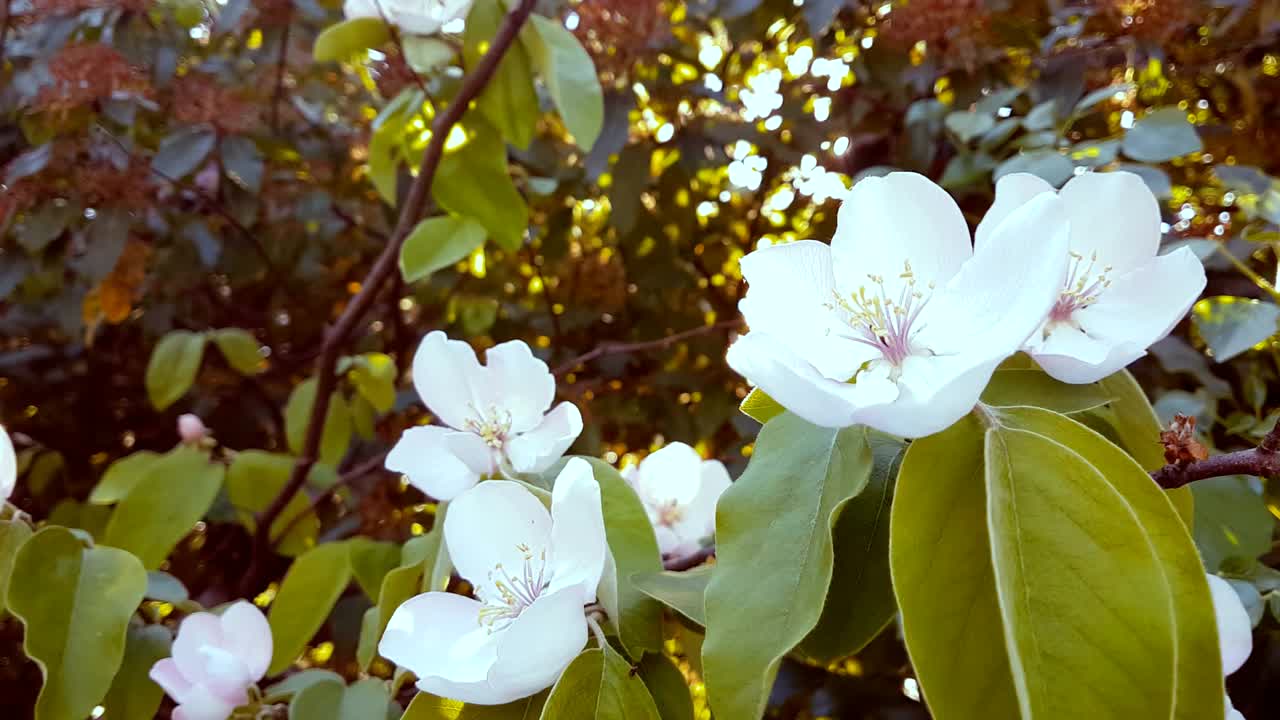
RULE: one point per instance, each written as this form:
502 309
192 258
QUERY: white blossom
899 323
1119 296
1235 632
417 17
679 491
532 571
496 416
8 466
215 661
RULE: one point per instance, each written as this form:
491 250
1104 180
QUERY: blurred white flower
191 428
532 571
8 466
899 323
1235 632
679 491
215 660
497 417
1119 297
417 17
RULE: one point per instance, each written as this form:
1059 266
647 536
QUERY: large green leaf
254 479
1034 387
437 243
473 181
366 699
774 555
940 555
1087 612
13 533
75 603
1231 326
337 422
860 602
570 76
121 476
667 686
165 504
173 366
430 707
345 40
133 695
682 591
1232 521
371 560
306 597
509 101
599 685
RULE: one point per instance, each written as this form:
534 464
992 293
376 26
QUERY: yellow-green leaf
437 243
305 599
240 348
173 366
570 76
346 39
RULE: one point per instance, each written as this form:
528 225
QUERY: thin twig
1262 461
344 480
620 348
385 265
281 65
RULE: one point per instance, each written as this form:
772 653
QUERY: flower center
669 514
492 427
1082 288
882 321
514 592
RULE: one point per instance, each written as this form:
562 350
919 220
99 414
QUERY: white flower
215 660
8 466
899 323
1235 631
191 428
679 491
1119 297
419 17
533 572
496 416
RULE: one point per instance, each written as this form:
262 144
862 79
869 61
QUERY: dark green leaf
1234 325
133 695
1162 134
305 599
682 591
1035 388
254 479
430 707
1050 165
166 588
183 151
1232 521
599 685
337 424
242 161
371 560
667 686
473 181
13 533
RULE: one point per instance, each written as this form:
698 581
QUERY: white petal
1114 214
772 366
1071 356
671 475
225 675
539 448
496 523
1002 295
1012 192
202 704
935 393
360 9
1235 632
887 221
578 545
248 636
1142 306
699 517
166 674
440 462
539 645
196 631
790 289
1232 713
518 383
414 21
447 374
435 635
669 543
8 466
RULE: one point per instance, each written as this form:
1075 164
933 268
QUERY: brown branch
281 65
556 334
690 561
385 265
1262 461
620 348
358 472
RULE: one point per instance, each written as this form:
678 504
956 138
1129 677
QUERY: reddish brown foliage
617 33
200 99
1180 444
88 73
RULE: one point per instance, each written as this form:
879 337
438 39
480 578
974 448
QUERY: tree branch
1262 461
690 561
382 269
619 348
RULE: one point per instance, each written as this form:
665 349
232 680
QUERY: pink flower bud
191 428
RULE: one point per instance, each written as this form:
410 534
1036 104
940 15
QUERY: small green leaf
183 151
240 348
473 181
75 603
667 686
254 479
430 707
305 599
1035 388
437 243
371 560
367 645
133 695
317 701
967 124
1162 134
166 588
1088 102
682 591
374 376
13 533
1232 521
760 407
173 366
425 54
171 497
599 685
242 162
298 682
509 101
1049 165
121 476
349 38
570 75
337 424
1043 116
1231 326
366 699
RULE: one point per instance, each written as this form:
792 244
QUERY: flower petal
1072 356
539 645
438 637
496 524
225 675
248 636
1235 632
578 545
447 374
201 704
8 466
440 462
935 392
1012 192
671 475
196 631
518 383
772 366
669 543
1114 214
699 517
888 221
539 448
1232 713
166 674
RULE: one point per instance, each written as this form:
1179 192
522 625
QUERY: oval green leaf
254 479
337 423
509 101
240 348
437 243
306 597
349 38
121 476
570 76
599 685
173 366
133 695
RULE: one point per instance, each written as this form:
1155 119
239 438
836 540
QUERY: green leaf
1049 165
298 682
425 54
345 40
430 707
241 350
1162 134
437 243
473 181
371 560
166 588
367 644
305 599
374 376
75 603
570 76
165 504
173 366
667 686
509 101
1231 326
417 558
13 533
940 557
366 699
760 407
682 591
133 695
1035 388
599 685
181 152
967 125
337 422
254 479
1088 102
242 162
860 602
799 477
1232 520
1043 116
121 476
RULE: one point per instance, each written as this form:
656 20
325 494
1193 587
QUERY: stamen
1081 289
514 593
885 323
492 427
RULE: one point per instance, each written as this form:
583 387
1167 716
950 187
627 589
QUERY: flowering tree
818 344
